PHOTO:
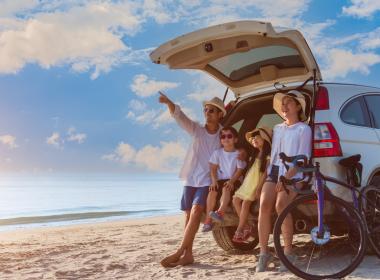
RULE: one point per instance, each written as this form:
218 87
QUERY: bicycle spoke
311 256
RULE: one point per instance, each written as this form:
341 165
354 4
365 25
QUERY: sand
129 250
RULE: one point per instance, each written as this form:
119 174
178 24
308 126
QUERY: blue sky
78 91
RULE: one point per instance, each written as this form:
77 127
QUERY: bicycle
330 235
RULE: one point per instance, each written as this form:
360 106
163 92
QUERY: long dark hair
266 150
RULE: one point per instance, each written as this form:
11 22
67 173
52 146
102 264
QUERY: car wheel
223 237
375 181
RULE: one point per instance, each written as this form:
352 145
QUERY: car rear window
239 66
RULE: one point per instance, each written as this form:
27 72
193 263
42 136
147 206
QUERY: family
216 169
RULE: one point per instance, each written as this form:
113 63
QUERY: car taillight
326 141
322 99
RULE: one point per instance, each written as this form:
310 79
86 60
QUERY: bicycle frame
320 189
357 195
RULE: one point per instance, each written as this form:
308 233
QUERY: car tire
223 237
376 181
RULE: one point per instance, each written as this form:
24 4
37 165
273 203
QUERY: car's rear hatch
244 55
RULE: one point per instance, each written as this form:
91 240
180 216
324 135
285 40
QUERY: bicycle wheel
335 254
371 208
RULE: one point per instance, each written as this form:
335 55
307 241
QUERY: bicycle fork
320 234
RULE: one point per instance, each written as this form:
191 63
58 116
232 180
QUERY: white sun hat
217 102
277 102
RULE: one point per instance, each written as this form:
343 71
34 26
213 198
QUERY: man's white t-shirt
227 163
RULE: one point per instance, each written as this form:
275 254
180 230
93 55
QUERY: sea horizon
32 200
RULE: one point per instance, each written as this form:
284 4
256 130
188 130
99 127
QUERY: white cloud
164 158
371 40
55 140
143 86
137 105
156 117
73 136
130 115
362 8
84 36
9 141
206 87
158 11
78 137
146 117
285 8
341 62
125 153
219 11
10 7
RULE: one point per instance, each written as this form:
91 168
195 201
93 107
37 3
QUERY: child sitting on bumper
225 170
249 191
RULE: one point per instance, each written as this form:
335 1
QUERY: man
195 171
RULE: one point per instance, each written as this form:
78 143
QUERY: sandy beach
129 250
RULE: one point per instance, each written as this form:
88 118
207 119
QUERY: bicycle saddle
351 161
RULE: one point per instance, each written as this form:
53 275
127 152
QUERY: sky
79 92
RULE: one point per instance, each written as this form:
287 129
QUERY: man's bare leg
187 218
167 261
188 238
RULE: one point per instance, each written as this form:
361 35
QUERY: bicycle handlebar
294 160
300 163
291 184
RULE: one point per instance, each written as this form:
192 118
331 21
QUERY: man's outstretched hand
165 100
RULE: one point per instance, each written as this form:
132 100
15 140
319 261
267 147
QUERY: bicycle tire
347 237
372 215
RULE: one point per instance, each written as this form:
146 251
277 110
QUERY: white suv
254 62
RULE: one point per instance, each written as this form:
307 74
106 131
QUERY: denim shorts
193 196
273 175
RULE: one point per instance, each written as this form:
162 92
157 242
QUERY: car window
269 120
373 104
354 113
239 66
238 125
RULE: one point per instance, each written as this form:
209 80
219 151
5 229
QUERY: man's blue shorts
192 196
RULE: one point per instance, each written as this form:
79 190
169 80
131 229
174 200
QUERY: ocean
54 200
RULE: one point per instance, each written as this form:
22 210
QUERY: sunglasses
226 136
209 110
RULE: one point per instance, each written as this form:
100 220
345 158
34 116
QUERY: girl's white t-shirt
227 163
292 140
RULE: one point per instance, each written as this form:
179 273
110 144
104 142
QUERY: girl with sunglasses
249 191
225 170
